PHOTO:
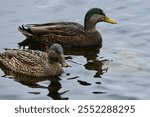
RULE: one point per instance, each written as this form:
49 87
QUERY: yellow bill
108 20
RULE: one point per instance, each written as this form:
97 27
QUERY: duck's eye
102 17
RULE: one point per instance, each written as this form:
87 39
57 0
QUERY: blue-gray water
120 70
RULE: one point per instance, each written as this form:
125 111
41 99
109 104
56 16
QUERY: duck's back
65 33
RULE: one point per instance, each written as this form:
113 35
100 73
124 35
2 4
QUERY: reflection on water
97 66
54 88
32 82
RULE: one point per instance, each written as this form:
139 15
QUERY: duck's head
53 57
96 15
59 54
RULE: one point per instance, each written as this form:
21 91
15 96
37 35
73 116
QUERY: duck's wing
42 55
14 52
23 62
77 25
61 28
28 58
63 33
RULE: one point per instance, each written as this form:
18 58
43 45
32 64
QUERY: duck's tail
26 31
4 60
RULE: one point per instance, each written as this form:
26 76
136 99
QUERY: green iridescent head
96 15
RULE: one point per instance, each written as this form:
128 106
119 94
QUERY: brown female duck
68 34
34 63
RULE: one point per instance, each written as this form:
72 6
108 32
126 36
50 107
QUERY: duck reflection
33 82
54 88
98 66
90 53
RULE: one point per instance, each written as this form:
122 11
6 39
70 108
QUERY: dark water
119 70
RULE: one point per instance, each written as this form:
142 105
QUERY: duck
34 63
68 34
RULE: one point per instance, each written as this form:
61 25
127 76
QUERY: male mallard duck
34 63
68 34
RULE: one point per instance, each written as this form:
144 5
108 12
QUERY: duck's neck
55 69
94 37
89 26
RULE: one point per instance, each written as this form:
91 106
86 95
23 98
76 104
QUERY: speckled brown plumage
32 63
